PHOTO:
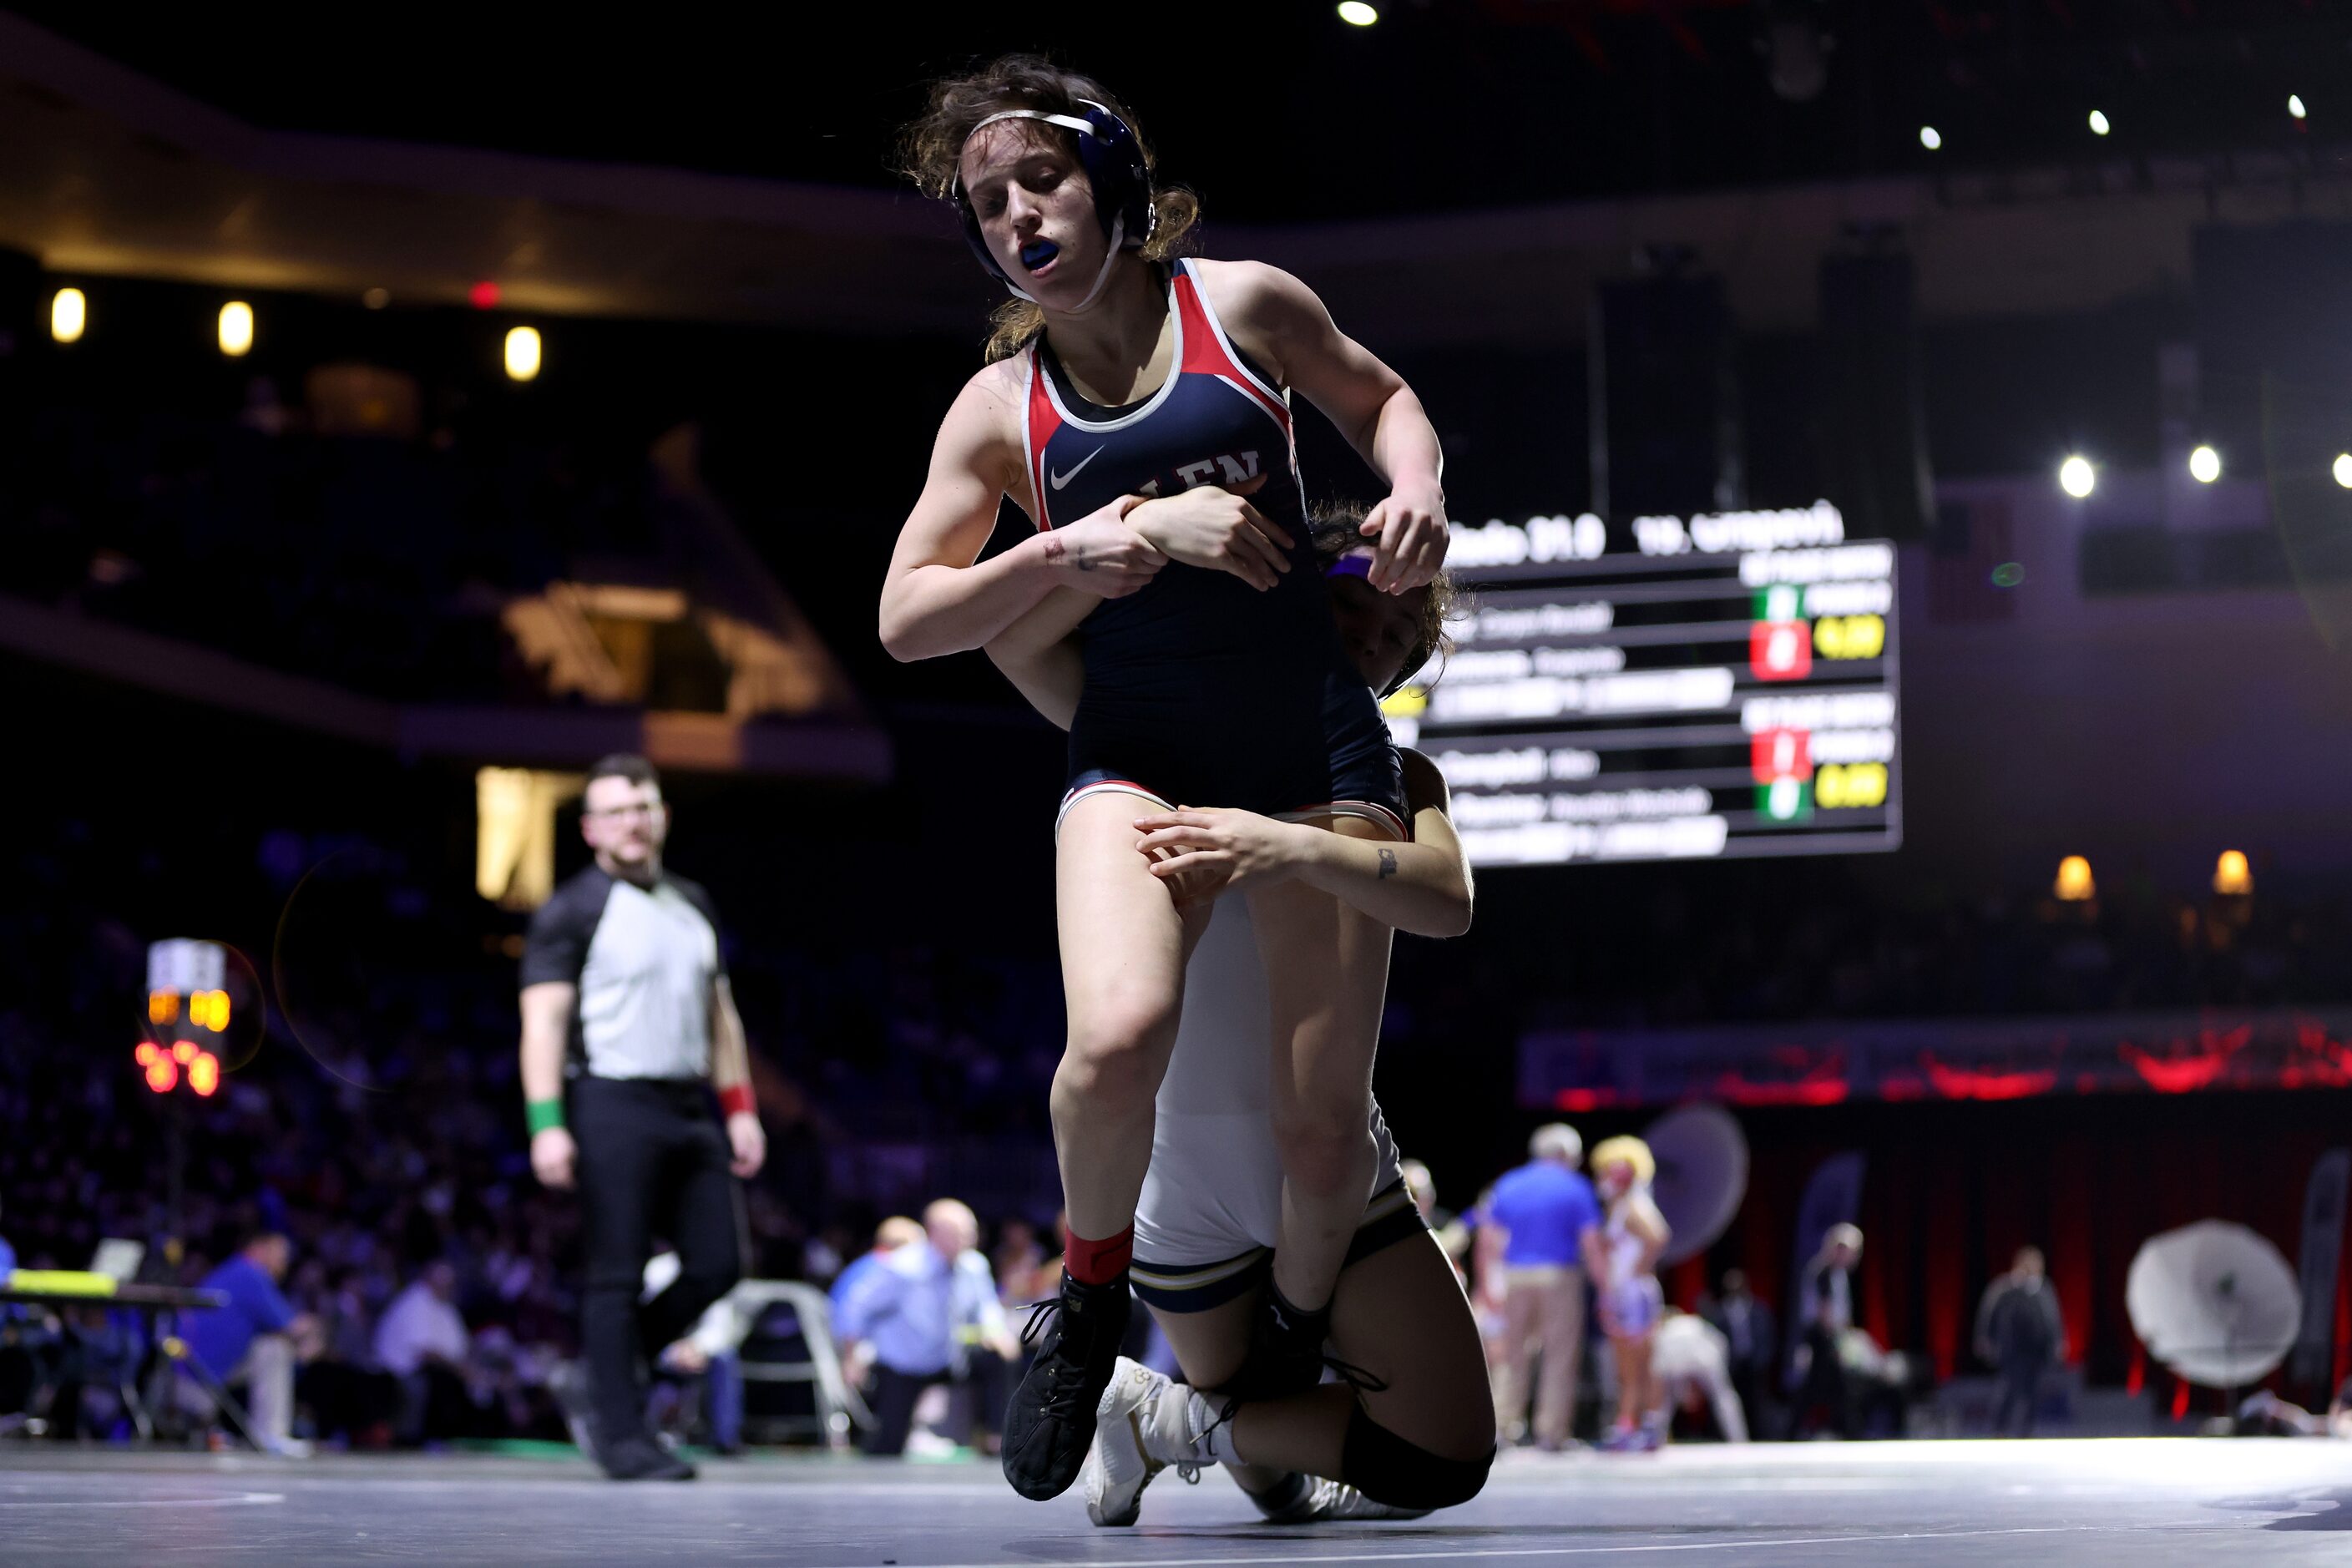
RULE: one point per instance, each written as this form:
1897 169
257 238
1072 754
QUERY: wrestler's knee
1115 1049
1389 1469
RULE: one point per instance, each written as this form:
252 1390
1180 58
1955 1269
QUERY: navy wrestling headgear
1115 169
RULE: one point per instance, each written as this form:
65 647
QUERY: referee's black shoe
637 1458
1051 1422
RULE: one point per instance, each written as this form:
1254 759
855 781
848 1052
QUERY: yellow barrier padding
61 1282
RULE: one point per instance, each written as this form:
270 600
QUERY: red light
1780 650
184 1051
1781 754
203 1073
146 1054
163 1074
484 296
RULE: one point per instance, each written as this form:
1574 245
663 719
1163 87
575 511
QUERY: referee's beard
642 866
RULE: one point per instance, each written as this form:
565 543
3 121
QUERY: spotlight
1356 14
2204 465
522 352
2343 470
2232 877
1930 138
2074 885
2077 477
236 329
69 315
2295 106
2099 123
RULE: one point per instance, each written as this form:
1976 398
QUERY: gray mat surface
2119 1501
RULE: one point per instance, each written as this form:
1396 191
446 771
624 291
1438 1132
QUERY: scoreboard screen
1667 689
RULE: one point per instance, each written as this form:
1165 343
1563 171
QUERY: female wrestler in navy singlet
1140 417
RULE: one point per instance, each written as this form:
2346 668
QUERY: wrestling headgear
1115 168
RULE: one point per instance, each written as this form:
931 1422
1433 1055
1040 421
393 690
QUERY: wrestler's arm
1280 320
939 596
1040 656
1422 888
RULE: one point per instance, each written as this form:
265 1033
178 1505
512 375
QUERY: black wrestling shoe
1051 1423
637 1458
1285 1350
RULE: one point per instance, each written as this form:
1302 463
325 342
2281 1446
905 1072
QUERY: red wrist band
736 1097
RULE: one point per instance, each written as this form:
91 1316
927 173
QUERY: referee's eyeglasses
636 809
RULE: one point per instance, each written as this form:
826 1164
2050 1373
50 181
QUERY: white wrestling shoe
1144 1423
1307 1500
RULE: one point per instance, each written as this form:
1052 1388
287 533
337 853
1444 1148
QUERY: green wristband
543 1114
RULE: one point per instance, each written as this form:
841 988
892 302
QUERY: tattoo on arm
1388 864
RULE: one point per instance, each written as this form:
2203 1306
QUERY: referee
627 1027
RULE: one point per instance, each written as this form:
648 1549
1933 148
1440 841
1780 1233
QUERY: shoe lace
1357 1377
1041 1318
1066 1377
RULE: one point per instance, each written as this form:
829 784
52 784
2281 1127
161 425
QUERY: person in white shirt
1690 1359
420 1334
923 1310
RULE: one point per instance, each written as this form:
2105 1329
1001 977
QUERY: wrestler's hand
1410 529
748 1143
553 1157
1101 554
1212 526
1225 849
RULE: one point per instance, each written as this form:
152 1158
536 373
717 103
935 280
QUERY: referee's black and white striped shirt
645 961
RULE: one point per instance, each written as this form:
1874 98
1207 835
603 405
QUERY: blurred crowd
1993 955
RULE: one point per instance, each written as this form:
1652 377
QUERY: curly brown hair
930 147
1332 526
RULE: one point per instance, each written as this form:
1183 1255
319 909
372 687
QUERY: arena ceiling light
2077 477
236 329
2074 885
68 316
1930 138
1357 13
522 352
2233 877
2204 465
2100 124
2295 106
2343 469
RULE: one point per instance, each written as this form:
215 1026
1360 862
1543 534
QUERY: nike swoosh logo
1061 479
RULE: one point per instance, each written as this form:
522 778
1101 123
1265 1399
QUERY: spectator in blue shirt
889 1237
250 1342
924 1309
1540 1211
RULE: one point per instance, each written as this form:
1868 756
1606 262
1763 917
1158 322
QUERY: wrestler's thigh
1326 967
1401 1316
1124 942
1210 1345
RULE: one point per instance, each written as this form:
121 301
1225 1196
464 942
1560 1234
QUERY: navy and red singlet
1200 688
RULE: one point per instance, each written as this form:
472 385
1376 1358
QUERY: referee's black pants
652 1162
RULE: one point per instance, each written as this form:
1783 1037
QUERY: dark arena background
1901 456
